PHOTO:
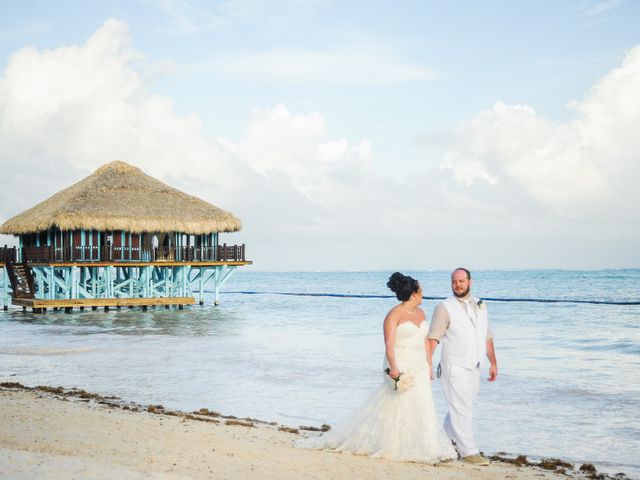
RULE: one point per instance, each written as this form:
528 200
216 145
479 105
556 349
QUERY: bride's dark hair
403 286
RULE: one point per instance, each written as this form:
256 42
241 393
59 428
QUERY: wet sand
53 433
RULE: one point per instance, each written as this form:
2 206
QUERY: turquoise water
569 383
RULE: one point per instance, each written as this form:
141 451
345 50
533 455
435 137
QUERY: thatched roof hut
119 196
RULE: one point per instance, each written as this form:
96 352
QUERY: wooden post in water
5 280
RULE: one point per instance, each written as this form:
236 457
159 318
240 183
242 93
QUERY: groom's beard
463 294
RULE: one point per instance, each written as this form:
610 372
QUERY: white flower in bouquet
402 382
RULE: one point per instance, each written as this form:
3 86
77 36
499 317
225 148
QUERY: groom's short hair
464 270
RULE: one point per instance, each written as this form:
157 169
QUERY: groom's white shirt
464 343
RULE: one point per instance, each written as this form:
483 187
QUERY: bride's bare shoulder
393 314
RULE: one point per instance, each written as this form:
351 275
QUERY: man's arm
437 329
431 344
491 355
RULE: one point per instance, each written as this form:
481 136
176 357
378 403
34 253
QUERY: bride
398 421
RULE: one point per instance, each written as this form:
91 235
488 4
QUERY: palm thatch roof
119 196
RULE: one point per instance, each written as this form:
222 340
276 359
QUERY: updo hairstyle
403 286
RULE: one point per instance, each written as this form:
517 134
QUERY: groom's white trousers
460 386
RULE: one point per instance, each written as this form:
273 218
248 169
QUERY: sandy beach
54 433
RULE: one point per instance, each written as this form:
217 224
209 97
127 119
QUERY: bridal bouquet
402 382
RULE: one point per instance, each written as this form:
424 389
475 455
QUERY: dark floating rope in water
357 295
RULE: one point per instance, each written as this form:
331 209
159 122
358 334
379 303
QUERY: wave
43 350
620 346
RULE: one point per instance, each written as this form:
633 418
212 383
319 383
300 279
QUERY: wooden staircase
21 280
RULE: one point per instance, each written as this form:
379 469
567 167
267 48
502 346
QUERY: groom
460 324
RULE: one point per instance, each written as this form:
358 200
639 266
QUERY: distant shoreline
64 432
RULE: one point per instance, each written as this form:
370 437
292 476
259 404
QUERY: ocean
306 348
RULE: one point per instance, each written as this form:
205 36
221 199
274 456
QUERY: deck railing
219 253
8 255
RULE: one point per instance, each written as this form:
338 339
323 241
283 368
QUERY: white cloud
34 87
578 168
467 172
602 7
21 29
277 140
260 9
86 105
356 65
188 18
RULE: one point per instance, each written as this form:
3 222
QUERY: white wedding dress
393 424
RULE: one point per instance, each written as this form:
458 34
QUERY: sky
346 135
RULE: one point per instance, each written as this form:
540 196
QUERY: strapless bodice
409 335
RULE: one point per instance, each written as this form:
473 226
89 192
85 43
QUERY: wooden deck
38 304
